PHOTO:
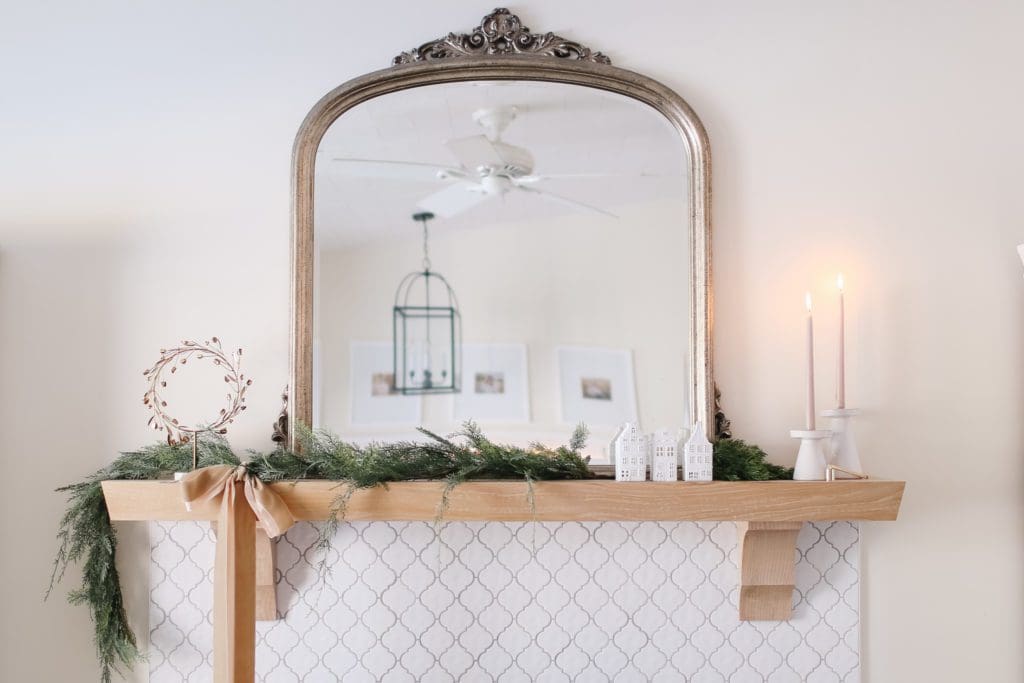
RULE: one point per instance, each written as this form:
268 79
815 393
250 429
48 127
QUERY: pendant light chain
426 245
426 284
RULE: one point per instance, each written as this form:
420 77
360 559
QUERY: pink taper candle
810 364
841 381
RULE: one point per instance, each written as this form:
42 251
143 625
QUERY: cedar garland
86 536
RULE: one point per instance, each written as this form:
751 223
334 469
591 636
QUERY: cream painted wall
144 197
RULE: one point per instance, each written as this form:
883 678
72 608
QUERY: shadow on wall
57 344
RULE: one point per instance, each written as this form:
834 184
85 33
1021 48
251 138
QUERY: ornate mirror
502 227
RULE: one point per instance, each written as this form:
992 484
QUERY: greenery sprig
737 460
86 537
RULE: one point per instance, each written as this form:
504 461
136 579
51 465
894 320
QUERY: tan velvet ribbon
208 483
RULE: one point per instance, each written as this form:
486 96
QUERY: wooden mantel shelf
556 501
768 514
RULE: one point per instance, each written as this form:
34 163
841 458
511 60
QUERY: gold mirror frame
501 49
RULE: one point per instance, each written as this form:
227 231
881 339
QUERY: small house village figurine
697 456
663 452
629 454
632 452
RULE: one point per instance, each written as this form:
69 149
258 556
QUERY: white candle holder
810 459
843 446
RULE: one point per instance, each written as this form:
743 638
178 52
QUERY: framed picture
374 400
495 384
597 385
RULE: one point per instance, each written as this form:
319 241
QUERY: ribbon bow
208 483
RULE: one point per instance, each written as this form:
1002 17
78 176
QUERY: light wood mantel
769 516
556 501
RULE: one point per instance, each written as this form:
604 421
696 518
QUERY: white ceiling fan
487 168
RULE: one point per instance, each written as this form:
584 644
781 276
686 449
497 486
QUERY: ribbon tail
270 510
227 502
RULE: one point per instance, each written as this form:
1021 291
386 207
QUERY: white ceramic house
697 456
629 454
663 453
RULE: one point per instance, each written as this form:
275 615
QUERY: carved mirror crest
500 33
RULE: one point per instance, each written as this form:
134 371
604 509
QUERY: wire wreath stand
162 421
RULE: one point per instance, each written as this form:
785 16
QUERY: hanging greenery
87 537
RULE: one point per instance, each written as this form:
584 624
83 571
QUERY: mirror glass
560 217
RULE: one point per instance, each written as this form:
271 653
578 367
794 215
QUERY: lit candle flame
839 283
807 301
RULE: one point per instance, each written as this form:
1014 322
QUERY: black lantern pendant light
427 330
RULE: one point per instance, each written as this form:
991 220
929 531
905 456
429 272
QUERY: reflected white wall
567 280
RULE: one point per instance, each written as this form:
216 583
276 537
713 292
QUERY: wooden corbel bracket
266 591
767 566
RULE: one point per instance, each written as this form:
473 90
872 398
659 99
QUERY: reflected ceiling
568 130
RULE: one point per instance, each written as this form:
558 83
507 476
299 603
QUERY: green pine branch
737 460
85 535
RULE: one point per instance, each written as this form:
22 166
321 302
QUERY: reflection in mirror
559 222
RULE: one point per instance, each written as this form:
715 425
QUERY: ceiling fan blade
453 200
474 151
479 150
397 170
530 179
565 200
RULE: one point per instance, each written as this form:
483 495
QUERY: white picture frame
371 402
596 385
495 384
